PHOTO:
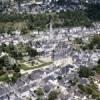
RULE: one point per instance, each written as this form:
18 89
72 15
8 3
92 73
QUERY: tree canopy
85 72
52 95
98 69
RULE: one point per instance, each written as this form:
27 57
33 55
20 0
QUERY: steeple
51 30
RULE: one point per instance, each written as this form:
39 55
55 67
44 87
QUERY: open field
37 64
3 77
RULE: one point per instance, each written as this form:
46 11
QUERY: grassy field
12 26
25 67
3 77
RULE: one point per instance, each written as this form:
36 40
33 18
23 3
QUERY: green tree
85 72
61 2
59 77
52 95
78 41
17 69
99 61
39 92
94 42
15 77
98 69
32 52
93 12
24 31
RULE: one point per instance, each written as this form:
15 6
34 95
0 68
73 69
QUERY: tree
3 47
59 77
98 69
16 68
94 42
15 77
87 89
39 92
24 31
61 2
99 61
85 72
81 87
5 61
32 52
33 62
38 98
78 41
52 95
2 72
93 12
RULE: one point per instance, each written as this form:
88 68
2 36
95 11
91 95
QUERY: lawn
25 67
3 77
